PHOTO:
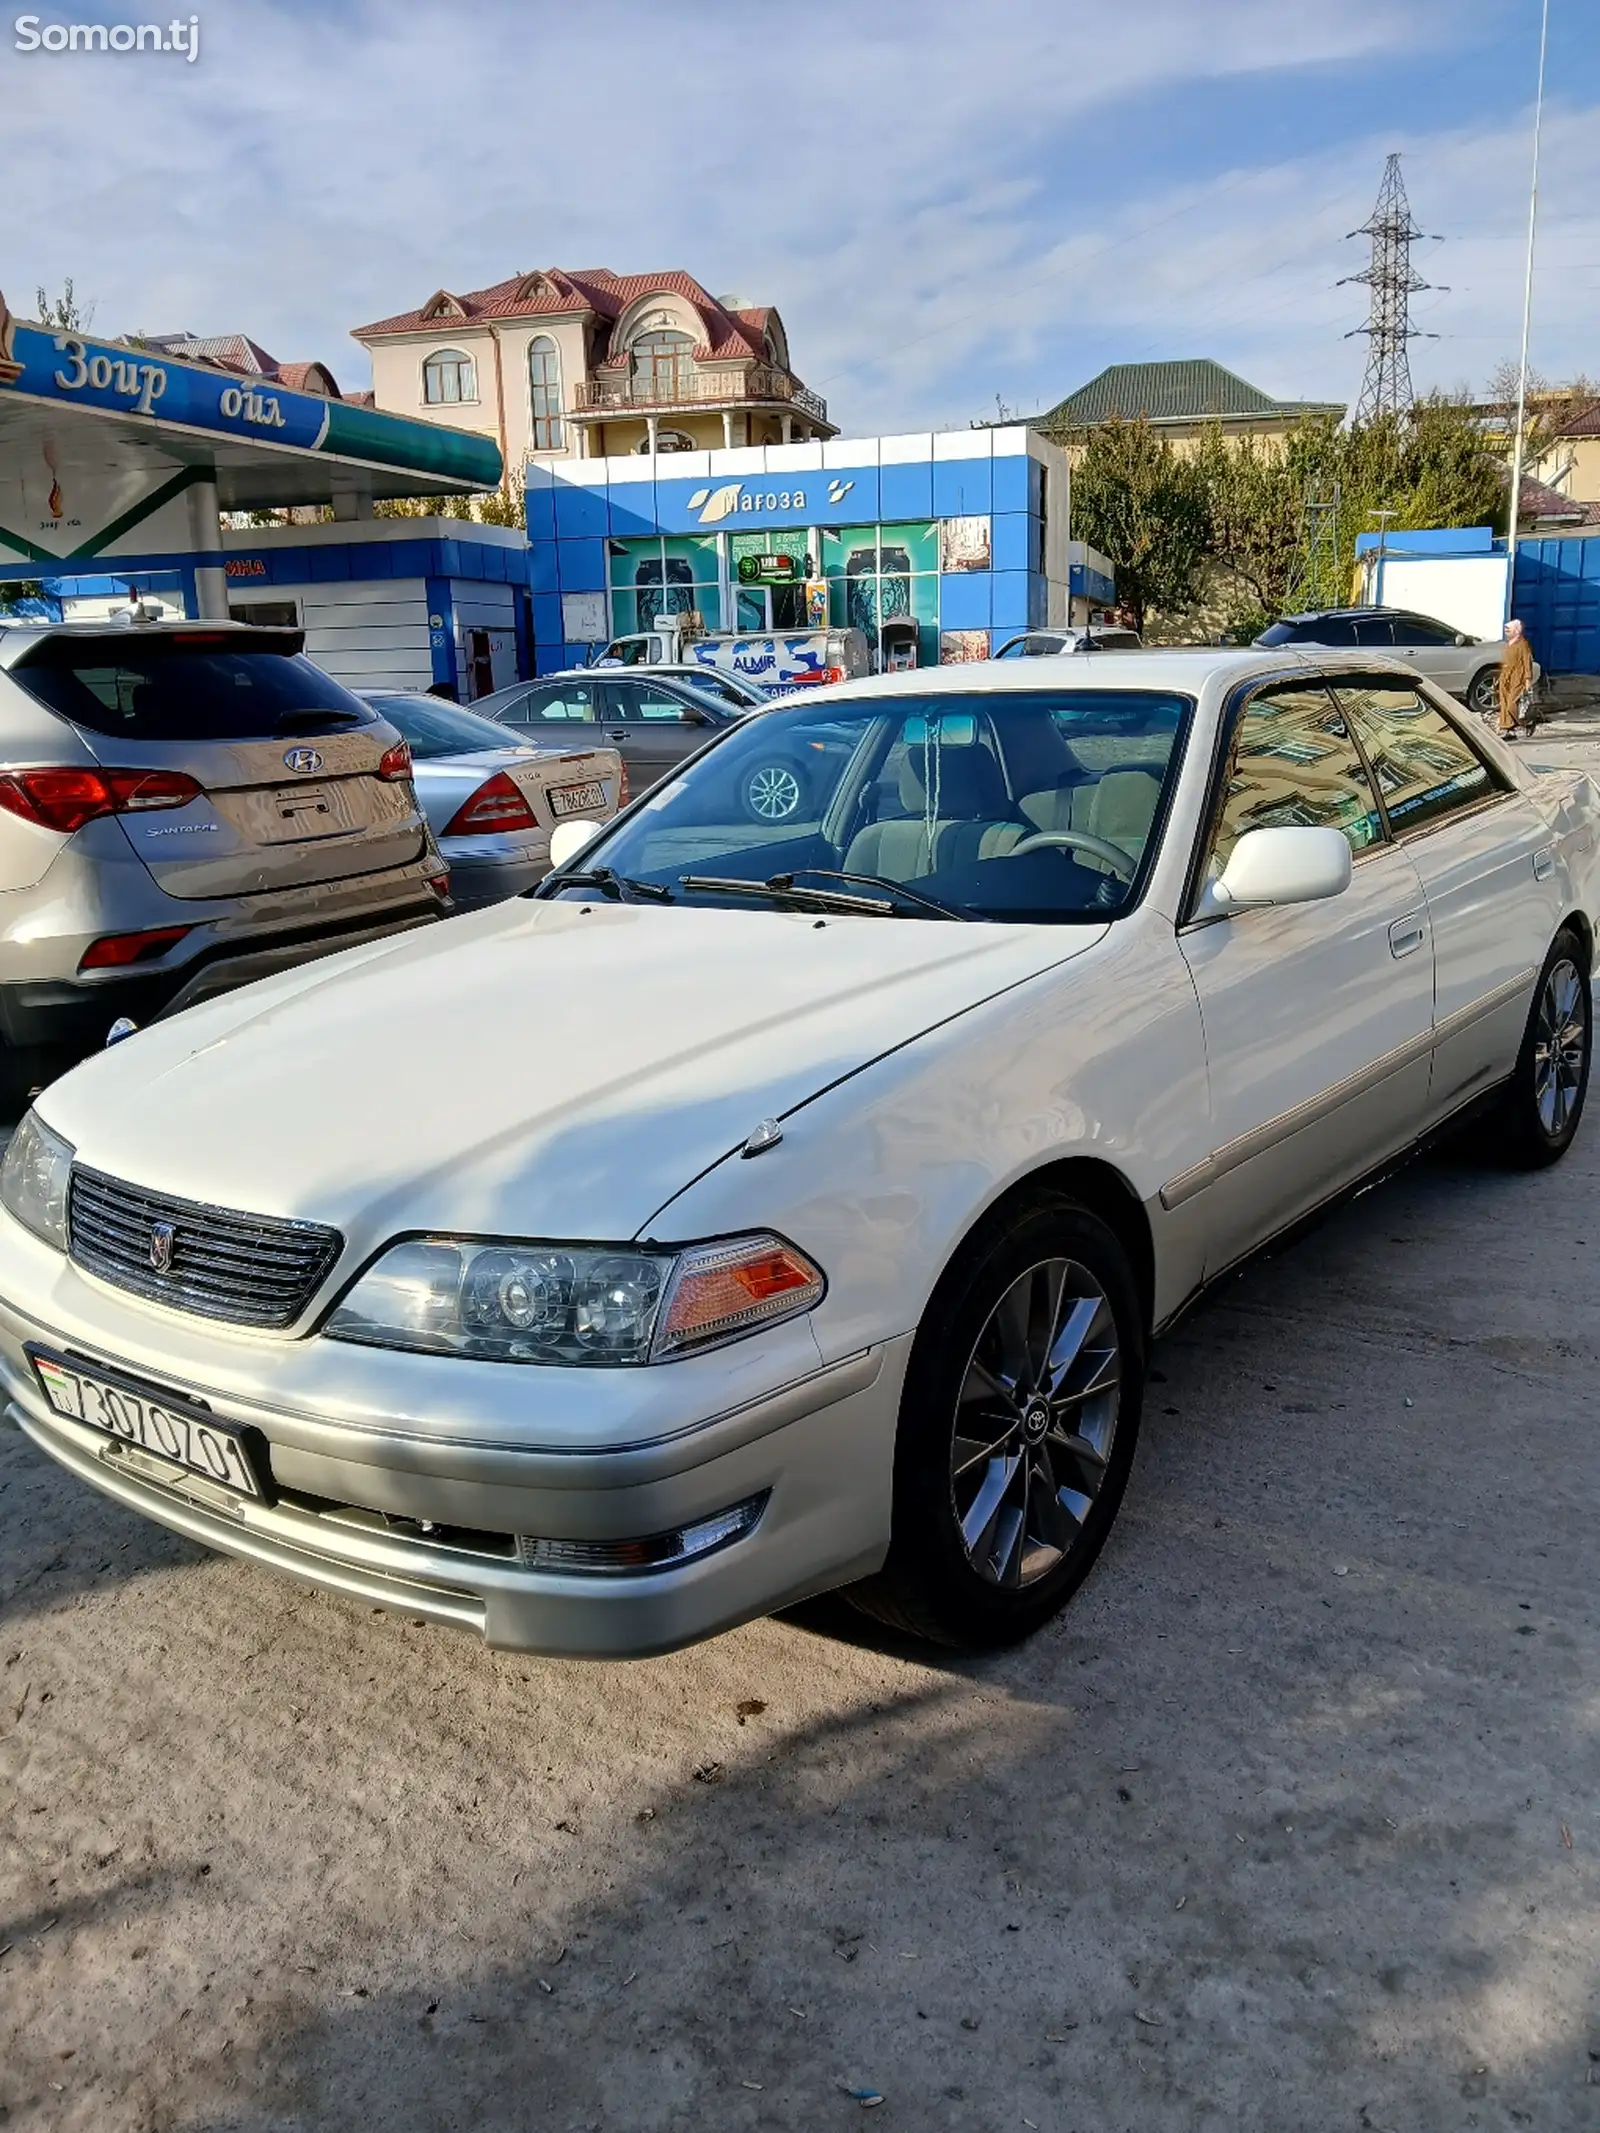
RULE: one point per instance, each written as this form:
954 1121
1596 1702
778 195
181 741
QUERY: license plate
574 799
168 1429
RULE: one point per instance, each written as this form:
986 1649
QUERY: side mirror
568 839
1463 639
1280 866
692 715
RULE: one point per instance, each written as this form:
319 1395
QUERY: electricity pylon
1386 388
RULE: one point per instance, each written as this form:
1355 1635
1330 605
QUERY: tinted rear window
186 689
435 729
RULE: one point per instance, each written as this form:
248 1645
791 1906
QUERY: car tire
774 791
992 1534
1543 1103
1483 692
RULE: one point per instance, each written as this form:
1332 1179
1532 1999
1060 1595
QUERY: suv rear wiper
622 886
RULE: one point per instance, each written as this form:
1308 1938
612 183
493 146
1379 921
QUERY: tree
1145 508
64 312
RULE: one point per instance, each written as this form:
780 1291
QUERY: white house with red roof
556 365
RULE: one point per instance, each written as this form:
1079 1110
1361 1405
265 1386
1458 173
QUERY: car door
561 713
1432 649
1484 856
652 727
1318 1017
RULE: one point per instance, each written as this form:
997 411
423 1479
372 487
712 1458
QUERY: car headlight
573 1303
33 1180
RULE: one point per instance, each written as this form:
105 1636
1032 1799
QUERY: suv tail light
396 763
65 800
115 951
496 805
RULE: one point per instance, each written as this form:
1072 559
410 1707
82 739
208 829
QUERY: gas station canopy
98 438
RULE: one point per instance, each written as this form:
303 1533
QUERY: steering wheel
1122 864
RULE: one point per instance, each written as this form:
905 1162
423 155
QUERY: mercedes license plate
167 1428
575 799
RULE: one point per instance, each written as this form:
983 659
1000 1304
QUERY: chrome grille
255 1270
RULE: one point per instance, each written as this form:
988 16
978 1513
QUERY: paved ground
1291 1823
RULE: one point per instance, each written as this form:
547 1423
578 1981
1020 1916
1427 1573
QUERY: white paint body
558 1070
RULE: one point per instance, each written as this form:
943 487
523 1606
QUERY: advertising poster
964 544
957 647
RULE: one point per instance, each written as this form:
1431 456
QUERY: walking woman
1516 681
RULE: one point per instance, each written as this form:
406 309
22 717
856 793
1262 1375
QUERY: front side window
1416 629
1424 767
1294 764
1023 806
644 701
449 377
544 393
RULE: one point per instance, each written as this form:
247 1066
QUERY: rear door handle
1544 863
617 733
1406 936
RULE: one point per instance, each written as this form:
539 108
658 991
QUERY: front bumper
350 1501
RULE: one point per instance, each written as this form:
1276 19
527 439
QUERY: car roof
1352 614
1186 669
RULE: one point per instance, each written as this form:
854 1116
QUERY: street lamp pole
1527 319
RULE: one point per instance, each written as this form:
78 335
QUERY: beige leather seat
975 819
1120 806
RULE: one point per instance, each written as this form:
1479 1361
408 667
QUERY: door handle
1406 936
617 733
1544 863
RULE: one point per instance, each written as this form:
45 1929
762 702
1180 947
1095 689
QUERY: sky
960 207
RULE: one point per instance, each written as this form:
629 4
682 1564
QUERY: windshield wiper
784 889
610 883
933 905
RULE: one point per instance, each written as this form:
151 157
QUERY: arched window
544 393
449 376
661 365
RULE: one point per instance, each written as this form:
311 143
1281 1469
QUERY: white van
776 661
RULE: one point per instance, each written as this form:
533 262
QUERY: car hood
540 1068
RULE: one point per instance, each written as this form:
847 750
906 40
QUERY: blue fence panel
1556 595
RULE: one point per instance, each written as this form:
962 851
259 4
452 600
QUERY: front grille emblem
161 1238
302 760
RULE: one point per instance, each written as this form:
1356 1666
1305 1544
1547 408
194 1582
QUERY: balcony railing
696 388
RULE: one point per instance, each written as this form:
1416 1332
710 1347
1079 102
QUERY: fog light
633 1558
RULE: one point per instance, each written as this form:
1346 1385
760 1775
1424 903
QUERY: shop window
449 376
879 574
544 393
663 576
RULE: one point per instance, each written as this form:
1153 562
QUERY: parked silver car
184 807
1469 667
492 802
1044 644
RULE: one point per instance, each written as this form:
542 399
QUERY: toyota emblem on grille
303 760
161 1237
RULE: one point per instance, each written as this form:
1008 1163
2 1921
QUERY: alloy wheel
1558 1046
1035 1419
773 793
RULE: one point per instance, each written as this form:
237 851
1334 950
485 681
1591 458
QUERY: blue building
963 533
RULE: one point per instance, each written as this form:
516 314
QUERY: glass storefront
879 574
664 575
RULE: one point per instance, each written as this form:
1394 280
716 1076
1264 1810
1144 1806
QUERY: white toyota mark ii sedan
762 1208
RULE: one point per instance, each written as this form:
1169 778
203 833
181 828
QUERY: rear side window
1424 768
185 689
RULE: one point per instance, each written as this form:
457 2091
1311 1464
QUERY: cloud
904 182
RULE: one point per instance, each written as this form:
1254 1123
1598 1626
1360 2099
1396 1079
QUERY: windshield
1031 806
435 729
201 688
